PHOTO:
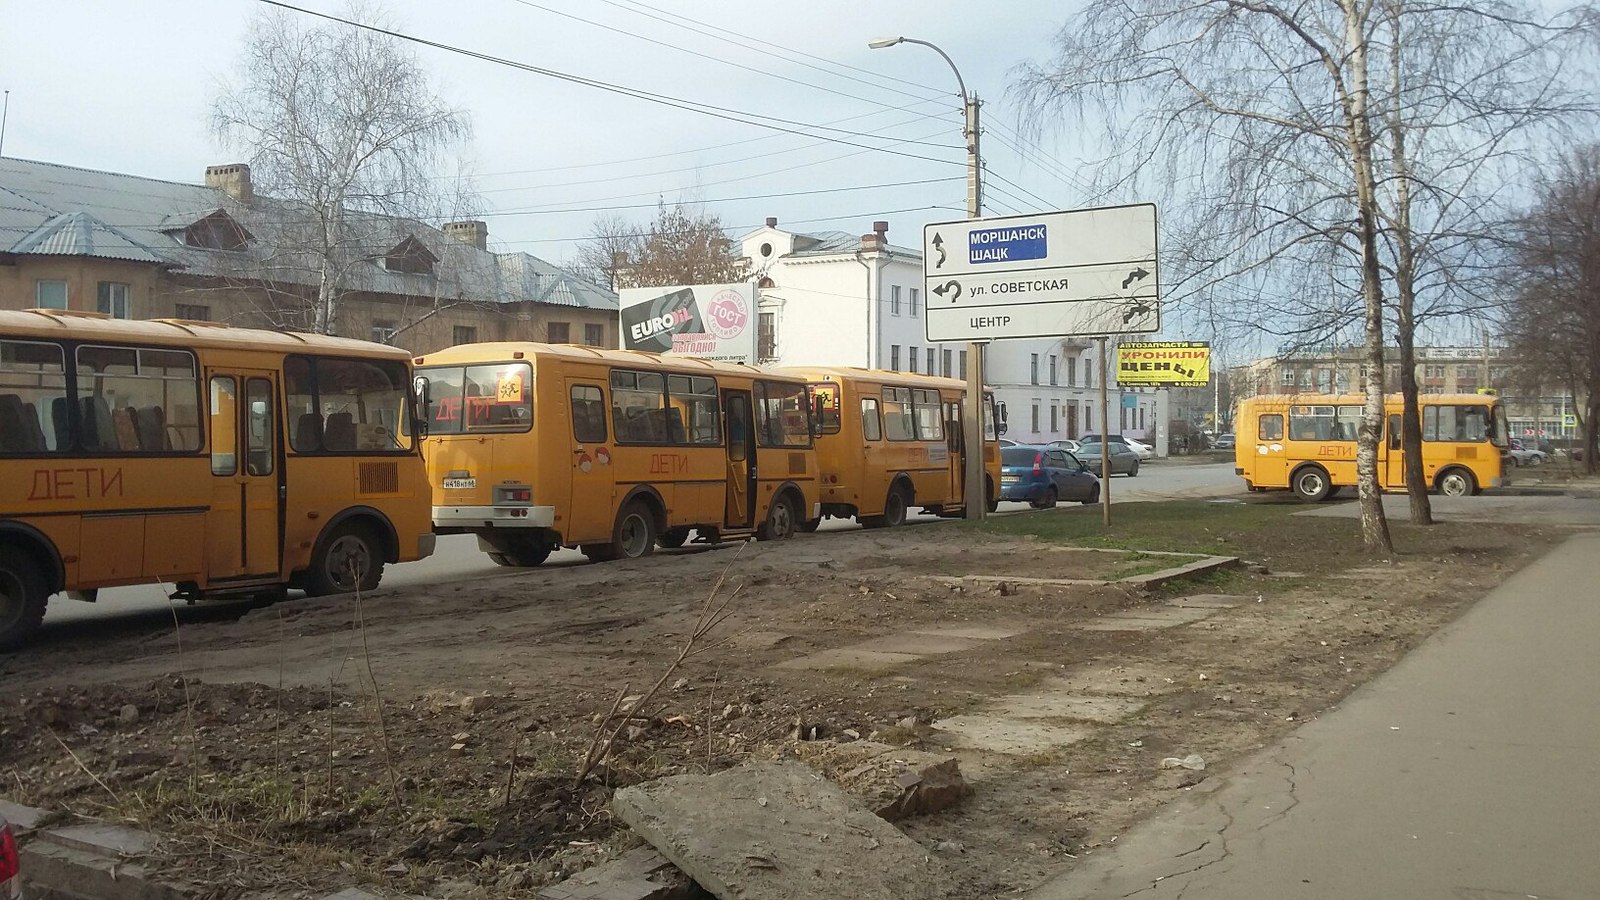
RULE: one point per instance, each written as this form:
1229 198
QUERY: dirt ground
427 739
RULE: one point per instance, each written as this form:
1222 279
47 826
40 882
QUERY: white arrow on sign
1115 282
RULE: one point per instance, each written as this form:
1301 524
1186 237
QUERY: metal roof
55 324
47 208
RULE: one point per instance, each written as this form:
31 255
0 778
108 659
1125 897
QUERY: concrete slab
1209 601
849 658
111 840
761 640
1146 619
779 831
1058 701
24 819
1187 570
1122 681
999 734
57 870
918 644
975 632
640 874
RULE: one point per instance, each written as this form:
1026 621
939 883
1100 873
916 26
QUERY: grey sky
126 87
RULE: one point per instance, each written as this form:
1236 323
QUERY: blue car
1043 475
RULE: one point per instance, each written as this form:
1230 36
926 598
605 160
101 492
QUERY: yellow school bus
888 441
1307 443
222 460
537 446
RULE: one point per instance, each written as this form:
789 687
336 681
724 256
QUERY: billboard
1164 363
707 321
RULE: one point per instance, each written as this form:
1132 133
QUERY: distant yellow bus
223 460
1307 443
537 446
889 441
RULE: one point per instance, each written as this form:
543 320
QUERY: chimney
772 221
232 179
471 232
882 230
877 240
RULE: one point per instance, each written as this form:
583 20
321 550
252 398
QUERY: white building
836 299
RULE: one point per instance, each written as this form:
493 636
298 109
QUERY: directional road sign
1055 274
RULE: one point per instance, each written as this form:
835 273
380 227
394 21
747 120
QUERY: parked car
1224 441
1041 475
1123 460
1069 445
1144 451
10 864
1008 442
1523 455
1093 438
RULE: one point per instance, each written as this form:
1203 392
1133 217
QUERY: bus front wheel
350 558
781 520
1311 484
23 595
1457 483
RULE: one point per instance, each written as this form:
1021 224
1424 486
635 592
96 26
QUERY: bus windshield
479 398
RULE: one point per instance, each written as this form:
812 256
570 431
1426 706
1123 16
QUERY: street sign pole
1105 439
977 494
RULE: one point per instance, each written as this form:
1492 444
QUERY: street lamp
977 503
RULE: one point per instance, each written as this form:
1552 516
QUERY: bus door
1393 464
243 526
1263 437
741 436
957 458
591 510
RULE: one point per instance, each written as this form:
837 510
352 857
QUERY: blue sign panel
1007 244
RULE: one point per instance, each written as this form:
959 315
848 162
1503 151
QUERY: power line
738 228
705 109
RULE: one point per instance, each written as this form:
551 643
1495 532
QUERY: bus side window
871 428
1394 432
1271 427
588 414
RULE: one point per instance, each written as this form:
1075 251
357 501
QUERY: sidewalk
1470 771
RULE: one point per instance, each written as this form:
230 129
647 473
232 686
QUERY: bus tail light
513 494
10 864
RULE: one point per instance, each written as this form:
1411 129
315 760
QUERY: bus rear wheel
23 595
1311 484
348 559
520 551
894 510
634 536
781 520
1455 482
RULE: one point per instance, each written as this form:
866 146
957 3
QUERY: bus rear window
464 399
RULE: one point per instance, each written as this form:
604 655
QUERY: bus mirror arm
419 415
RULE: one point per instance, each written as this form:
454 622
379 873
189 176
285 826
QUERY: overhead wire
760 120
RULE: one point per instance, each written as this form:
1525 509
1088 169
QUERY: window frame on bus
402 435
688 433
63 393
1261 426
77 396
763 415
462 423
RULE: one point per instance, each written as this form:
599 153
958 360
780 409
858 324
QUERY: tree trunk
1358 126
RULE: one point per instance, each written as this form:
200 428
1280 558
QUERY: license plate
460 484
1009 480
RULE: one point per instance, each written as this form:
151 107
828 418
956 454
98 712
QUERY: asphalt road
457 557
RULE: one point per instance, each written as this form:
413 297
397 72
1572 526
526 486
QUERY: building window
50 295
382 332
894 357
1035 417
913 301
463 334
193 312
112 299
912 361
1088 373
1055 424
594 335
558 333
963 365
767 336
894 299
947 363
1053 370
930 369
412 257
1033 371
217 231
1072 372
1435 372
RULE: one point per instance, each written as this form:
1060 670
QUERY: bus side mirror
818 405
419 414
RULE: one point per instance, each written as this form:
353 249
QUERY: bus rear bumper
476 517
426 544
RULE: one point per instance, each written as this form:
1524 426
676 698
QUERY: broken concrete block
808 840
640 874
926 790
110 840
58 870
25 819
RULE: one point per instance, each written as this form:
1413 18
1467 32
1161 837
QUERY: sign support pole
977 499
1105 439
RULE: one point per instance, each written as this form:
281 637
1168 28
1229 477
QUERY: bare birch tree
342 129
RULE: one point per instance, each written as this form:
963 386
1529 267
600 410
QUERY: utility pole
5 113
1105 438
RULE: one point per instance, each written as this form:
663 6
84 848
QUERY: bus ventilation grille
797 464
379 478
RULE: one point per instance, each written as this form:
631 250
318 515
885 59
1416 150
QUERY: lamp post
977 502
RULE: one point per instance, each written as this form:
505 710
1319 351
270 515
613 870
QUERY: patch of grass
1177 526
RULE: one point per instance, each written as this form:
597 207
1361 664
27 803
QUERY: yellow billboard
1164 363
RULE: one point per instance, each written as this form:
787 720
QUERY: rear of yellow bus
482 452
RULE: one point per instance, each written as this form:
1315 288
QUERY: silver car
1124 461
